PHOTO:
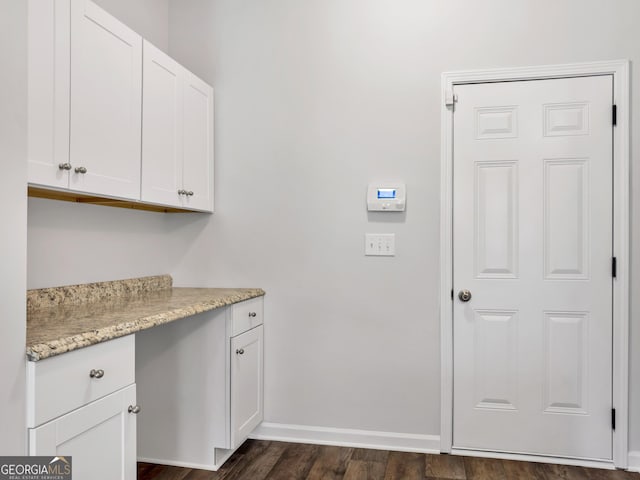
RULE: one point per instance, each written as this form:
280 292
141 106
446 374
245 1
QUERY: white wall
314 100
150 18
13 211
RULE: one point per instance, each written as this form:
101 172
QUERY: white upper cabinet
95 129
162 122
198 144
48 92
177 134
106 102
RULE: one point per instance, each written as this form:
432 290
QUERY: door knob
464 295
96 373
134 409
240 351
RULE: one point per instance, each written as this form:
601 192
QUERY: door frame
621 233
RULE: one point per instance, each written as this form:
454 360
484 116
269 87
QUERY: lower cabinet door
246 384
100 437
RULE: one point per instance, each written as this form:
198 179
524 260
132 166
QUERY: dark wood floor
258 460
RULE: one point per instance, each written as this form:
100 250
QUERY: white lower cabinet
200 385
100 437
246 384
83 404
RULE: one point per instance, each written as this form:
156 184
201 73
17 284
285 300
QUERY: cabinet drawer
246 315
63 383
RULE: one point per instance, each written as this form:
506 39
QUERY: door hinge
613 418
450 98
614 114
614 267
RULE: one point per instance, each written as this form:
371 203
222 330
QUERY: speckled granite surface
70 324
92 292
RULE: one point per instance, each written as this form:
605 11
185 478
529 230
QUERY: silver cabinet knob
252 314
182 192
96 373
240 351
134 409
190 193
64 166
464 295
82 170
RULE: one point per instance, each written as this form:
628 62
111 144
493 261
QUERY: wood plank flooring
261 460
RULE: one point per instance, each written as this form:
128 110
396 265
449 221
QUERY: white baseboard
634 461
172 463
342 437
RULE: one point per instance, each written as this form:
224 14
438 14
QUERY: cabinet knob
190 193
82 170
134 409
182 192
252 314
240 351
96 373
64 166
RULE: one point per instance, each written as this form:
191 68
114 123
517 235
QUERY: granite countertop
63 319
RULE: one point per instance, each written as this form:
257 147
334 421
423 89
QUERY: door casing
621 236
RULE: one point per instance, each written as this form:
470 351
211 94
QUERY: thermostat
386 197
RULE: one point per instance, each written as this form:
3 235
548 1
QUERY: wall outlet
380 244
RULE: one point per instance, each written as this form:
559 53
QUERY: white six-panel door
533 244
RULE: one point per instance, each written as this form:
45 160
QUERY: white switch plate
380 244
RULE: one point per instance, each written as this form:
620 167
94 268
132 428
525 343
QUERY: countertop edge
41 351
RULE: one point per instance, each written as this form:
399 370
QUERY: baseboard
172 463
576 462
342 437
634 461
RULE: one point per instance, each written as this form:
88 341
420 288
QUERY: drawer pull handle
96 373
134 409
252 314
240 351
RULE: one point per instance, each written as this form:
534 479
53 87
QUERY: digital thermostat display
386 197
387 193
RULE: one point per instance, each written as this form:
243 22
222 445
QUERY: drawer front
63 383
246 315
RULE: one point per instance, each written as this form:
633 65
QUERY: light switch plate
380 244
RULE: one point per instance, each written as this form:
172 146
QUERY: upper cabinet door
106 102
198 144
162 92
48 87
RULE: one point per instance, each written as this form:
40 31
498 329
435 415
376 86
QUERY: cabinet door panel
246 384
101 438
198 144
48 87
106 91
162 92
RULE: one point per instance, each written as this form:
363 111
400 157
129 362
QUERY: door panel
161 127
246 384
48 92
198 144
100 437
533 243
106 102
